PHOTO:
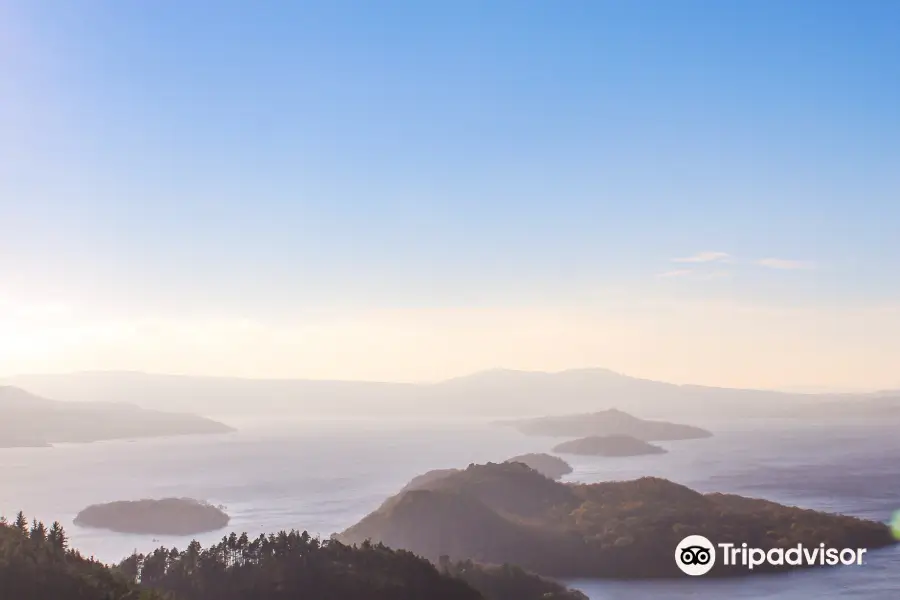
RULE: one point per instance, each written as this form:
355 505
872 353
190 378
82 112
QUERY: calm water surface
325 475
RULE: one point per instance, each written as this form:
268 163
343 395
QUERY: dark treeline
296 565
504 582
291 565
36 564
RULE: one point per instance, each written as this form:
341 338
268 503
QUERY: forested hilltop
36 564
509 513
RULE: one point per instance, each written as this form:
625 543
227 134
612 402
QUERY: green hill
545 464
508 513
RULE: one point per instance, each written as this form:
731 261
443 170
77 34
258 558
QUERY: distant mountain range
497 393
34 421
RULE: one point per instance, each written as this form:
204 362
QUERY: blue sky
258 159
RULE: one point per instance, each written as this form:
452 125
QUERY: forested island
508 513
31 421
168 516
607 422
608 445
36 564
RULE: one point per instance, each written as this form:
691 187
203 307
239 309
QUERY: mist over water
323 475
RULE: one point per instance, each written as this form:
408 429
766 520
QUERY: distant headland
607 422
168 516
32 421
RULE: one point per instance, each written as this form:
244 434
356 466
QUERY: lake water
323 476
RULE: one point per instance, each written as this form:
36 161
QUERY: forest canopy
36 564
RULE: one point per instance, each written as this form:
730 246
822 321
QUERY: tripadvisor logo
696 555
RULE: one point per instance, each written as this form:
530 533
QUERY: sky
693 191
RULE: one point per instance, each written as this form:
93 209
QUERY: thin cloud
676 273
784 264
704 257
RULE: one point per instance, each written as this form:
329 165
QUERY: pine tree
57 536
131 566
38 531
21 524
243 545
232 546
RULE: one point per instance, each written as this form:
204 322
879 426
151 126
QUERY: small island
545 464
608 445
607 422
168 516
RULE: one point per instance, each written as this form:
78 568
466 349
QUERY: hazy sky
702 192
